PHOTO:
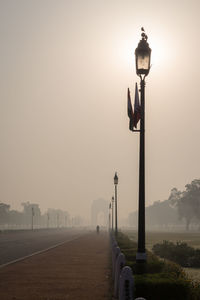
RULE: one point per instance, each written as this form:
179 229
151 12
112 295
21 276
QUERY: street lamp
142 59
57 220
113 199
109 218
143 56
47 220
32 215
116 183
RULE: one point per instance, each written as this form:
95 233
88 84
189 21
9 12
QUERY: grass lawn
191 238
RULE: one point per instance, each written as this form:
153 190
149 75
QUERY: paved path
17 244
75 270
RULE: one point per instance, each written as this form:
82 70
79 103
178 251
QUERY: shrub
161 286
129 248
195 290
175 270
164 279
180 253
194 261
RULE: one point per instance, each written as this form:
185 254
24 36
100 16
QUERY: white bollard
120 263
114 244
126 284
113 241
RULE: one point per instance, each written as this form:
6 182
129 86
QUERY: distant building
99 212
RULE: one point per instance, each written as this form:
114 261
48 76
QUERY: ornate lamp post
142 59
116 183
112 211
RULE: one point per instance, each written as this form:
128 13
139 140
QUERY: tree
193 194
187 202
4 213
185 210
180 201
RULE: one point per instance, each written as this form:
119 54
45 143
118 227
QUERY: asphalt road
17 244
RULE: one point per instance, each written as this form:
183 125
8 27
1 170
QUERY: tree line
181 209
31 217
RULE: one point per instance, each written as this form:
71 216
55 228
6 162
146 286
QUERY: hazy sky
65 66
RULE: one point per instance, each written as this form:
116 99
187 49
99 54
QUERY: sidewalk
77 270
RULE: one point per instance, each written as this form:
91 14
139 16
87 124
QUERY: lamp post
109 218
57 220
142 59
116 183
112 211
32 215
47 220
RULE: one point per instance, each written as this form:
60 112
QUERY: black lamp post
142 59
57 220
109 217
32 215
116 183
112 211
47 220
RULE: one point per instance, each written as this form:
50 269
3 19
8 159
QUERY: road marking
38 252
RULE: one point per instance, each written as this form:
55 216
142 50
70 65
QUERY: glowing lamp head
143 56
116 179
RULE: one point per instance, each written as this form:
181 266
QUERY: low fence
121 274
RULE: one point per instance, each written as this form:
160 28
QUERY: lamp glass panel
143 61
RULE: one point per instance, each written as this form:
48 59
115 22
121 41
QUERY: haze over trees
187 202
160 215
182 208
31 212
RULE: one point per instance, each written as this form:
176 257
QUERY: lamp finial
143 34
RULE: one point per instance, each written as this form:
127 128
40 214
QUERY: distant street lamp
142 59
116 183
32 215
109 217
57 220
47 220
112 211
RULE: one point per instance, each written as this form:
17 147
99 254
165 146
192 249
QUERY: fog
65 69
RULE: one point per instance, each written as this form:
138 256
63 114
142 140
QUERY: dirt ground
76 270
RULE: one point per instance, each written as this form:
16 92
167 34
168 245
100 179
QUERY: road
15 245
79 269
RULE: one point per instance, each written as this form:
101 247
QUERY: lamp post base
141 256
141 259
